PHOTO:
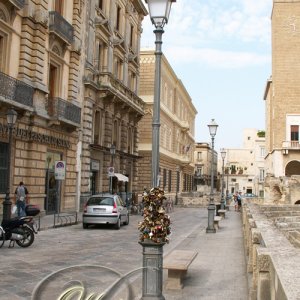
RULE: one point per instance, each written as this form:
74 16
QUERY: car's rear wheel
118 224
126 222
85 225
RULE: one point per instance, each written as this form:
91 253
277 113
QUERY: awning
121 177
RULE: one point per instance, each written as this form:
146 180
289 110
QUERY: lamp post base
223 203
153 270
211 216
7 207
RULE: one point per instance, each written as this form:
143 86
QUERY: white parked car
105 209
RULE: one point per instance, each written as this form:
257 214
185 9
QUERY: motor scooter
19 230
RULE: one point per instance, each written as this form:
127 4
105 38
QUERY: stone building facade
282 92
282 99
202 157
177 130
244 167
40 75
112 108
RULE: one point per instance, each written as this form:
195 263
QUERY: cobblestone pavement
218 272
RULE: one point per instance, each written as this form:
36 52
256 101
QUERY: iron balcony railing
61 27
63 110
16 90
18 3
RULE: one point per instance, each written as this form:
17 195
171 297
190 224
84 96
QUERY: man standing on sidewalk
21 199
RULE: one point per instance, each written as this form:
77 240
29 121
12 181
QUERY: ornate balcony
63 110
111 86
16 90
59 26
19 4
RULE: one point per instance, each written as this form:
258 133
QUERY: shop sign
36 137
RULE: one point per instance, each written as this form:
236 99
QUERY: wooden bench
217 219
177 263
222 212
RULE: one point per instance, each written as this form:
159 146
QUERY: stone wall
272 260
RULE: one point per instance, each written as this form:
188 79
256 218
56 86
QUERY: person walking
239 201
21 199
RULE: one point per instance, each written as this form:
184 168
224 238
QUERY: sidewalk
219 270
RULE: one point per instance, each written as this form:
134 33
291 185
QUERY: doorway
52 186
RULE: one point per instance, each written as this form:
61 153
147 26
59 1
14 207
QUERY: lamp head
223 153
159 11
112 149
11 116
212 126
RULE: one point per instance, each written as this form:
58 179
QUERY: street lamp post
213 126
177 183
11 120
159 11
112 152
223 155
227 185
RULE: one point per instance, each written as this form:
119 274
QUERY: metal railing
59 25
63 110
16 90
108 81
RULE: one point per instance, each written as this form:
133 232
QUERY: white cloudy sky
221 50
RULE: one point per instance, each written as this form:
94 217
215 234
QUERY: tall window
170 181
115 137
294 133
97 128
118 19
100 4
131 36
54 80
164 179
262 151
99 57
261 174
58 6
2 53
4 170
199 155
118 68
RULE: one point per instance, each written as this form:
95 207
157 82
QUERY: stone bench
222 212
177 263
217 219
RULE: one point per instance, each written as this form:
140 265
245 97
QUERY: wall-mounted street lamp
112 151
213 126
11 116
223 155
